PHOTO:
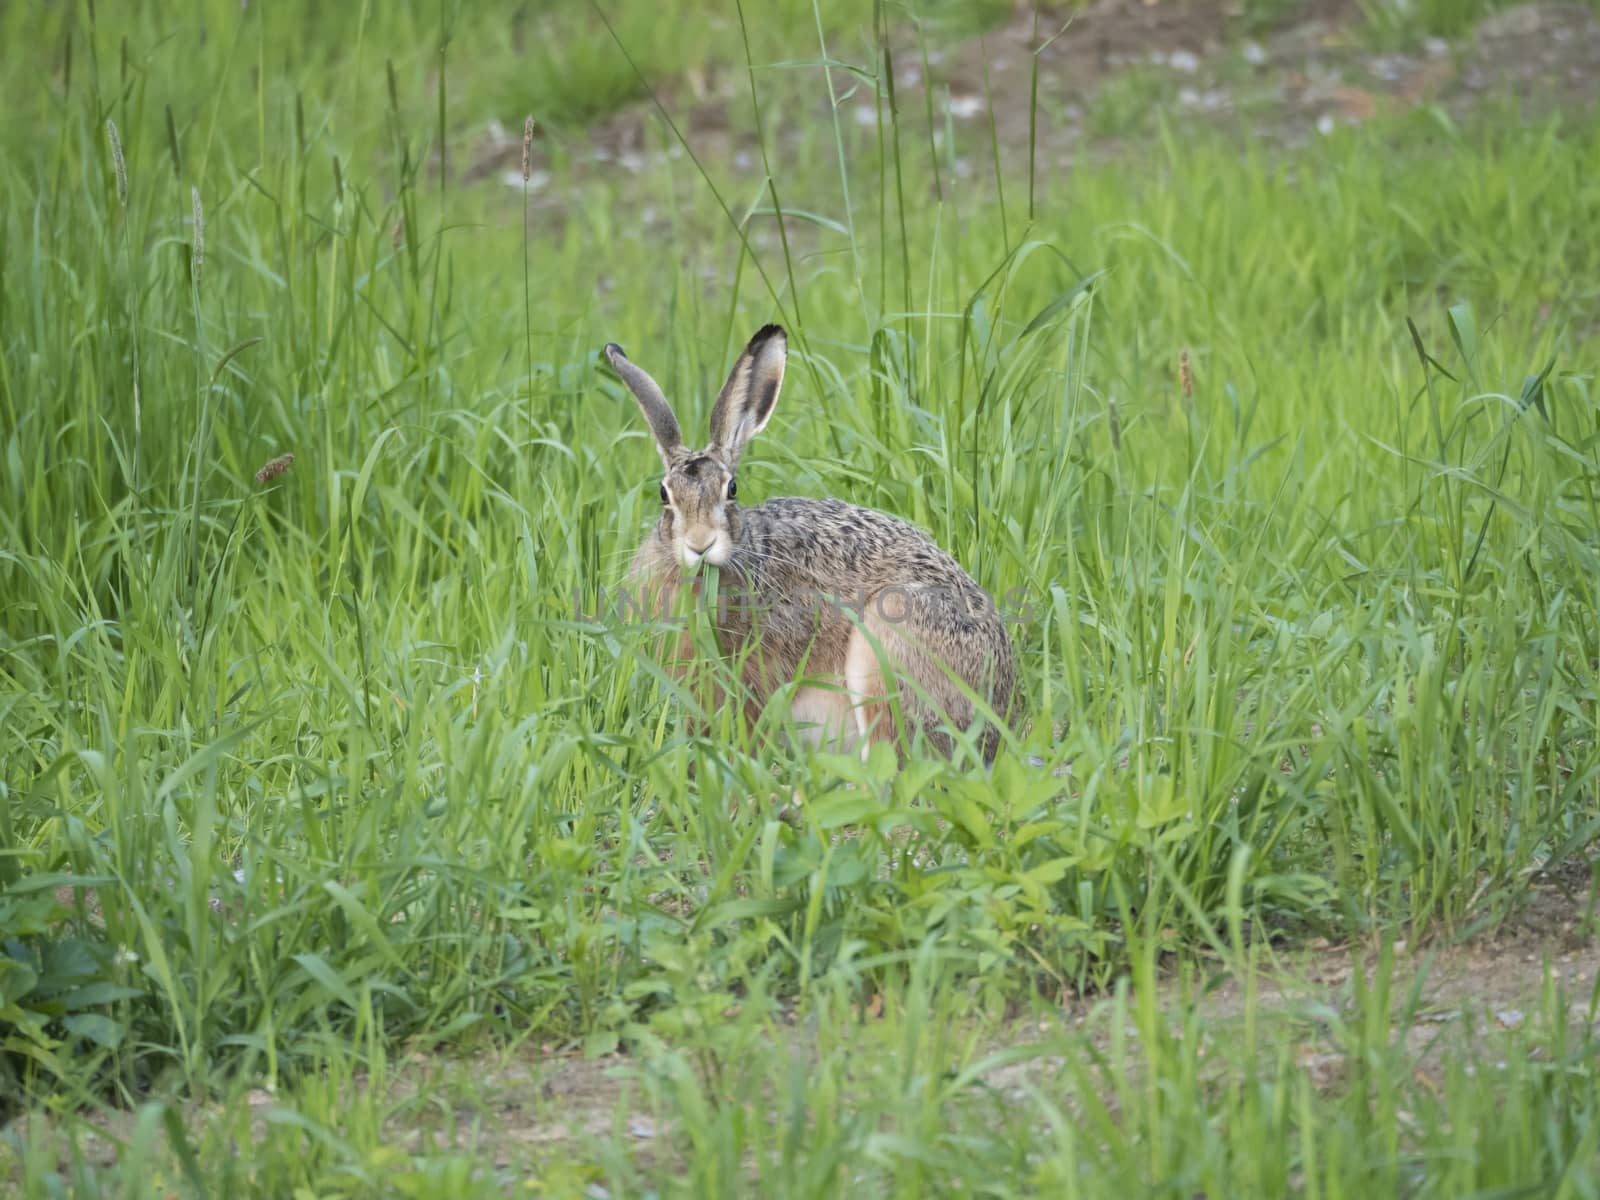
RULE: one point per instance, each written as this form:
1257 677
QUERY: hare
845 602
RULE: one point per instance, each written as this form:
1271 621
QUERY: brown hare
862 611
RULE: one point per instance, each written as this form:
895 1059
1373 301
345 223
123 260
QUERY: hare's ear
657 412
746 401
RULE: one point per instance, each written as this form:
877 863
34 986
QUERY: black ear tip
766 333
614 352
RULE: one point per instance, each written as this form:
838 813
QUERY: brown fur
837 597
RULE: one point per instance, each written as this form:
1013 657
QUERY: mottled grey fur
819 591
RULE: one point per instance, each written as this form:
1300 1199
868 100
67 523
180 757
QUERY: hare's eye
733 489
664 499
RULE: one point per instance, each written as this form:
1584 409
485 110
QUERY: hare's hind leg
925 662
821 716
864 683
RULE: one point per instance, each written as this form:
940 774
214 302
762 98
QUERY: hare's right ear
746 401
657 412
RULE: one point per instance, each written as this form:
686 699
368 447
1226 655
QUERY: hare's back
831 542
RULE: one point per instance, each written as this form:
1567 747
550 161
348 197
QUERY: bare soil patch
542 1099
1106 73
521 1107
1440 993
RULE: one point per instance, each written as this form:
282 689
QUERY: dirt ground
527 1103
1311 74
1105 73
545 1097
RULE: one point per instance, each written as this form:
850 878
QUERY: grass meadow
352 844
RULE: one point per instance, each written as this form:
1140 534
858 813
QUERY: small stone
1509 1018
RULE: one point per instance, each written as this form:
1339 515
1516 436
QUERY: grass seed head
1114 423
198 258
118 162
527 149
274 467
1185 376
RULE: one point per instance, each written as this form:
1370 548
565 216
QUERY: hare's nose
693 549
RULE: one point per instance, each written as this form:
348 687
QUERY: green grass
917 1102
298 776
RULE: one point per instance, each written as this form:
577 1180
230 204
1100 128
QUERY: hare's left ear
657 412
745 404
